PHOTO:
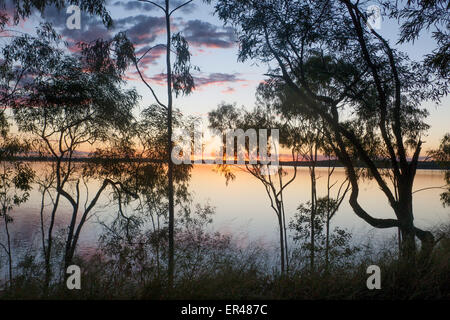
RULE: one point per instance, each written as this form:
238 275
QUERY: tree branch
154 3
180 6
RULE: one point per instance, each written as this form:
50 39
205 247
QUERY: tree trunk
8 237
280 224
327 240
327 243
285 237
406 218
313 207
171 261
408 248
48 251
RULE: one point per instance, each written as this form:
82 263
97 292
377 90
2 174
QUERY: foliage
24 8
442 156
341 247
430 16
370 94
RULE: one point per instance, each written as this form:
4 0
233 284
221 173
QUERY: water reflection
241 207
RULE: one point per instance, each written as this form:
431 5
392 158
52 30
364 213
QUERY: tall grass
213 266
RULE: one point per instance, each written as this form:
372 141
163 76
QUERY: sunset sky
214 49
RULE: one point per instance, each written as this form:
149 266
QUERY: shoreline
422 165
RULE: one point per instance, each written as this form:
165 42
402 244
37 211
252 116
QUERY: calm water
243 207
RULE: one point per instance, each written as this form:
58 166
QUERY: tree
307 135
179 81
137 161
442 157
15 183
69 104
332 249
14 76
227 117
430 15
372 92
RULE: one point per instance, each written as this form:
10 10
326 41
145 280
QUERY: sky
214 50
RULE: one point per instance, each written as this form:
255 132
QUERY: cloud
217 79
141 29
92 27
134 5
140 6
229 90
204 34
213 79
151 56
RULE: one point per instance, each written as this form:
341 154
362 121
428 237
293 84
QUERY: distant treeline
427 165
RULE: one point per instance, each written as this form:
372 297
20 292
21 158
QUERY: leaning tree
370 96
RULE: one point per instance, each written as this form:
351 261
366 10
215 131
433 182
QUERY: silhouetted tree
331 248
69 104
227 117
430 16
308 136
372 99
137 160
15 182
179 81
442 157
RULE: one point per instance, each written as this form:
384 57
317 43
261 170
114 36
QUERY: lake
243 207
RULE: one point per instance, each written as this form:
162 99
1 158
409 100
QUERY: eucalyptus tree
333 200
137 161
332 249
69 104
307 135
373 92
35 48
227 117
442 156
179 81
416 17
15 183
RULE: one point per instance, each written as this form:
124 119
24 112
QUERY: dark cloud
139 6
217 79
134 5
203 81
141 29
92 27
205 34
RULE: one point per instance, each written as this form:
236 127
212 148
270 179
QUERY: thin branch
180 6
149 49
155 4
428 188
148 86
